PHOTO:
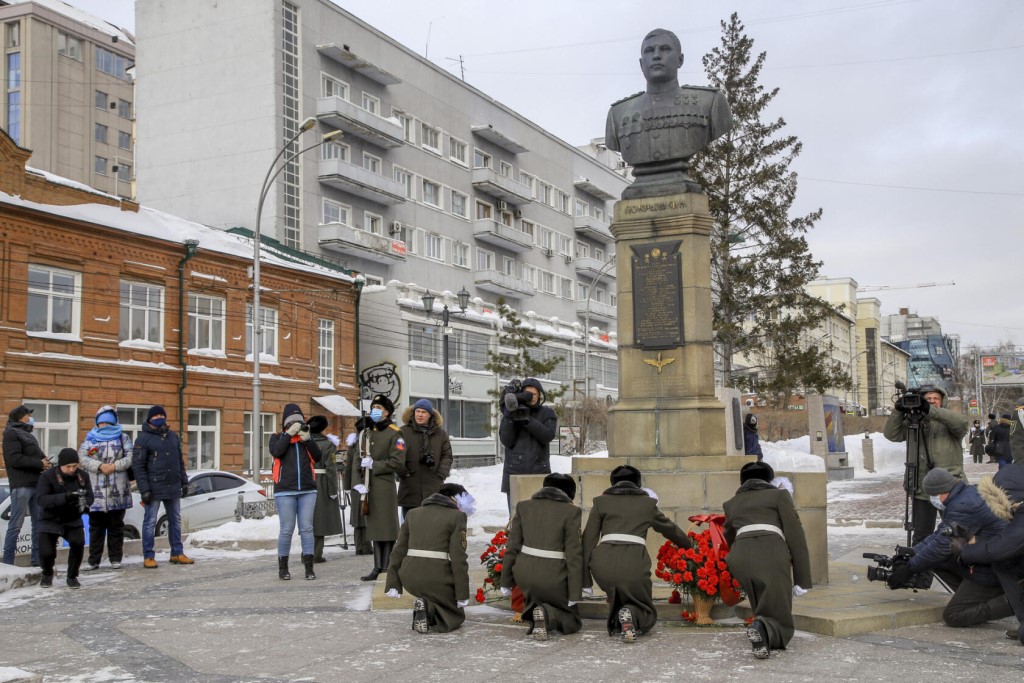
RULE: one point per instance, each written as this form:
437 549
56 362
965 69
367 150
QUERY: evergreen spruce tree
760 262
525 360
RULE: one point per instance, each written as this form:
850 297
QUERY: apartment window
506 169
269 427
124 140
101 100
433 247
547 238
334 150
474 350
142 312
583 291
581 207
13 93
564 245
54 301
530 274
597 213
332 87
507 219
508 266
371 103
371 163
423 342
69 46
268 323
132 418
484 259
325 353
562 201
431 193
100 133
56 425
124 109
566 288
457 150
203 428
543 192
484 211
408 126
374 280
527 227
406 178
547 282
12 34
335 212
373 223
460 255
582 250
467 419
124 172
431 138
481 159
111 63
599 254
460 204
408 235
99 165
205 324
529 181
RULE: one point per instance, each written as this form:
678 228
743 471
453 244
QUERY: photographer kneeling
64 494
921 411
966 511
526 431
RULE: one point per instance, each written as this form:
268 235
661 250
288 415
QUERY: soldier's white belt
760 527
319 471
624 538
431 554
537 552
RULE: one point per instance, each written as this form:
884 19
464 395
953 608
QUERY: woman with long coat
544 557
106 454
326 512
615 551
976 440
428 454
768 555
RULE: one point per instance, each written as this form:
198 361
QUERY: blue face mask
158 422
31 421
937 502
376 414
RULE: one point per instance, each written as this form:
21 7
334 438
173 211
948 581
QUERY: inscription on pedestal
657 295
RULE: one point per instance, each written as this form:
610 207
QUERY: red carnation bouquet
492 558
700 571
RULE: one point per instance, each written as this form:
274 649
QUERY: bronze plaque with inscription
657 295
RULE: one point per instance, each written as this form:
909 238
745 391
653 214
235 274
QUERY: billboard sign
1002 369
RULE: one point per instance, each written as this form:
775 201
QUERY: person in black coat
296 459
751 439
24 461
64 494
1001 441
526 432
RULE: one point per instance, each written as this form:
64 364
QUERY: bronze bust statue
658 130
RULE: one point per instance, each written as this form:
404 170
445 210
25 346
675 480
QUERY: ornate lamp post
428 306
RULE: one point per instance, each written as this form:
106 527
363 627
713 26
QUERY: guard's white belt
432 554
624 538
319 471
537 552
760 527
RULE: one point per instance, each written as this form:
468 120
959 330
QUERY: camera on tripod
909 401
885 566
516 401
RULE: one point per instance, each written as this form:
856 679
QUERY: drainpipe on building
358 283
190 251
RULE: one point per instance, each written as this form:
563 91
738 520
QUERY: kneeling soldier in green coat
429 560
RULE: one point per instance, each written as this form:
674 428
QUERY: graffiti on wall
381 378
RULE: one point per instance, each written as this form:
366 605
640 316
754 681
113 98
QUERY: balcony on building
597 230
591 267
496 137
489 181
496 282
593 189
598 310
354 120
347 177
498 234
349 241
344 56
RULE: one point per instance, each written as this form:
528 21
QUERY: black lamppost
428 306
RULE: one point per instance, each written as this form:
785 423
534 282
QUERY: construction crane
877 288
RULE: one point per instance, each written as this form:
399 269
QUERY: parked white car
210 502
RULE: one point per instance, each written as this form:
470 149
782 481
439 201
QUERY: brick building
106 302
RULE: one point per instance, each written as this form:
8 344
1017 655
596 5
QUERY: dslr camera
885 565
516 402
78 500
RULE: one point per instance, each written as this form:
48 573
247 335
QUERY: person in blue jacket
296 456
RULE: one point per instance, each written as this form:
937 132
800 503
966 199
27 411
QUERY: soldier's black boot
375 572
757 634
307 562
385 555
282 568
419 616
628 628
540 623
318 549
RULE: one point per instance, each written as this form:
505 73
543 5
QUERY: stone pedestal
868 447
824 423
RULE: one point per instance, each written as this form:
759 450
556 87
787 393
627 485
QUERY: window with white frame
457 151
546 238
373 223
505 169
372 163
597 213
562 201
529 181
530 274
268 340
484 211
583 291
547 282
433 246
430 138
54 302
599 253
332 87
564 245
566 288
69 46
374 279
582 249
325 353
508 266
112 63
335 212
203 450
581 207
371 103
142 309
460 255
334 150
269 425
484 259
56 425
613 300
432 193
460 204
482 159
543 193
424 342
407 234
132 418
599 295
406 179
408 125
205 323
527 227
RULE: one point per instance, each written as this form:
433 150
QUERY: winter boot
385 555
375 572
757 634
318 549
419 616
282 568
626 622
47 582
307 562
540 623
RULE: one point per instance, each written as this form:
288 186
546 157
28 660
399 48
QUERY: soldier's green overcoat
350 476
326 514
387 448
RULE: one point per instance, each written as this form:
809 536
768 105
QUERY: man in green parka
768 555
544 557
943 431
615 551
429 561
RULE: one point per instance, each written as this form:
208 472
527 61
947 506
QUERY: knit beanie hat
938 481
424 404
562 482
756 470
625 473
317 424
107 414
154 411
67 456
292 413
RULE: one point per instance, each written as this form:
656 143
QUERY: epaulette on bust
627 97
700 87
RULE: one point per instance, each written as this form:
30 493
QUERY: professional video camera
909 401
954 530
516 401
883 572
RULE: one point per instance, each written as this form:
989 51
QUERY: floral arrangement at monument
492 558
700 571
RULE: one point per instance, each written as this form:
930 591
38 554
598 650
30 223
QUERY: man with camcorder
526 431
934 435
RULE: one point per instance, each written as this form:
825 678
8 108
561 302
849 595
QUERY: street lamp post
586 323
428 306
256 422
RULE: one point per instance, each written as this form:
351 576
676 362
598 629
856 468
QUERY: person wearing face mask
751 440
428 454
973 510
64 493
296 459
379 450
429 560
24 461
106 453
159 470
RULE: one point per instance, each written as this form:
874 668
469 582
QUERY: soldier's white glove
393 593
462 603
360 489
366 463
571 603
351 439
506 592
798 591
588 591
651 493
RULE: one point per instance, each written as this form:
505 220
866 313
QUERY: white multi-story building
434 186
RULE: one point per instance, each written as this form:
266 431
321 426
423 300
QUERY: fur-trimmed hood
436 421
551 493
625 488
995 498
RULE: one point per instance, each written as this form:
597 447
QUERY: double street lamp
256 423
428 306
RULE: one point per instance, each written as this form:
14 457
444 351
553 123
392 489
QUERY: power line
911 187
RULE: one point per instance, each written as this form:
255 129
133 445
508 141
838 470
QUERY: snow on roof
82 17
159 225
68 182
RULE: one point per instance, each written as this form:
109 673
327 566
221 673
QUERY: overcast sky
911 114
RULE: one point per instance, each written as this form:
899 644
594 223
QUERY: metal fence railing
254 510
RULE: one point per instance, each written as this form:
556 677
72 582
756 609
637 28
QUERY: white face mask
937 502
